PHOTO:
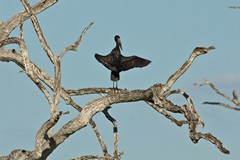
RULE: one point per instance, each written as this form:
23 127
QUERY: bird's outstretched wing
107 61
133 62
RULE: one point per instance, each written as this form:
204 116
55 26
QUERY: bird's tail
115 76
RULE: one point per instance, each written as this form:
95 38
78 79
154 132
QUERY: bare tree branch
38 30
223 105
234 7
61 135
100 104
7 27
117 155
21 31
57 86
161 110
74 46
234 99
42 133
196 52
100 140
92 157
84 91
190 103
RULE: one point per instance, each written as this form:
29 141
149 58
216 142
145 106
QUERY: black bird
116 62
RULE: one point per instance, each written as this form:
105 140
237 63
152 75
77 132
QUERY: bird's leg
115 87
113 84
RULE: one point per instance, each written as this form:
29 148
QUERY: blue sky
163 31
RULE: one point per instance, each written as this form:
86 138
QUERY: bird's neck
117 46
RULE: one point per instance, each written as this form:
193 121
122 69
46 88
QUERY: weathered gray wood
156 96
233 99
7 27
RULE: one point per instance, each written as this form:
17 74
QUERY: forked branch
38 30
74 46
233 99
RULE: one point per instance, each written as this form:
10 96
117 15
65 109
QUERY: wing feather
133 62
107 61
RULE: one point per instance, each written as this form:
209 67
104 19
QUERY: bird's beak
120 43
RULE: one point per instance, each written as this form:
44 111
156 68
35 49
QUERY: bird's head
118 41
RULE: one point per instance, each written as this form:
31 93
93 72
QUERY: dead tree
233 99
46 141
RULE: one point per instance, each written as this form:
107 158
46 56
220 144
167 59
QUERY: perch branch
84 91
100 104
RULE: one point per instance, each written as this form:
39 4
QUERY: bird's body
117 63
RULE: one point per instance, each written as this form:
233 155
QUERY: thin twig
234 99
207 83
234 7
38 30
99 137
74 46
222 104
